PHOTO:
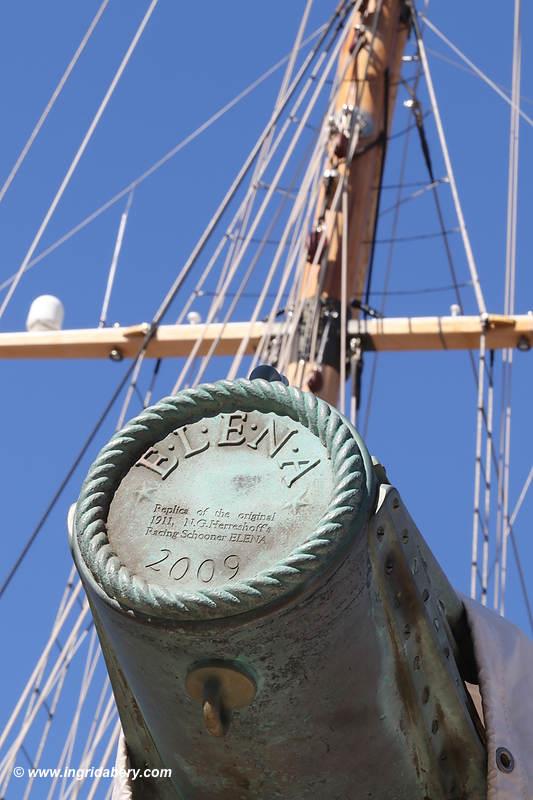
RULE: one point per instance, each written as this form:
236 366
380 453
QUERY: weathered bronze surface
220 500
221 688
273 626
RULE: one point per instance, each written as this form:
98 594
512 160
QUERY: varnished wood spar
364 85
395 335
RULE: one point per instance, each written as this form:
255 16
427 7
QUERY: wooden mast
369 72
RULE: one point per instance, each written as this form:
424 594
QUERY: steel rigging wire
161 161
337 20
54 96
90 438
77 158
319 85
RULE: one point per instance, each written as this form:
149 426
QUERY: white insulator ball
46 314
194 318
455 310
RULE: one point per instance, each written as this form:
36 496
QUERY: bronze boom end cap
221 500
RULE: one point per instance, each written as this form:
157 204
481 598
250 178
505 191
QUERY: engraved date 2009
205 572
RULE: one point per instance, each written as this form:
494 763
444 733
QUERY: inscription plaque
220 500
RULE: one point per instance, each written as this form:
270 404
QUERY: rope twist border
351 496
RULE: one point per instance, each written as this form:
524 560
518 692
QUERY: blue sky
191 60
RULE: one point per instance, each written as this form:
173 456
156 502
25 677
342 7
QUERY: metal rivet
115 355
434 726
504 759
396 503
380 533
389 566
416 662
425 694
405 536
407 631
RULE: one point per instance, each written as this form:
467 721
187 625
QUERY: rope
160 163
276 179
386 280
320 254
307 194
370 268
226 277
449 169
198 291
510 279
514 544
424 144
55 94
344 297
114 261
480 471
47 726
166 302
419 237
244 282
476 70
336 201
237 360
42 660
75 161
457 64
122 383
521 498
111 744
108 717
36 690
428 187
66 480
8 760
93 656
89 739
264 155
197 250
488 419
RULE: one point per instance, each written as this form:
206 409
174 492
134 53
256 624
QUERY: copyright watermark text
82 773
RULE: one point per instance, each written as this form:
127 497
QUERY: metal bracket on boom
319 331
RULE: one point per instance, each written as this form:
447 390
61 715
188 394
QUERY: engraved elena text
163 458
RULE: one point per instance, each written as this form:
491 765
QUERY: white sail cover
505 661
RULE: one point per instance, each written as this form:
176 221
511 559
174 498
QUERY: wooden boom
390 334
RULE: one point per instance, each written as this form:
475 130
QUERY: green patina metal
273 623
351 494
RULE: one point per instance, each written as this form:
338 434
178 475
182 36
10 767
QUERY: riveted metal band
352 493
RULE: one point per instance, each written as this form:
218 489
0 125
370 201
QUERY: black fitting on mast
319 332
